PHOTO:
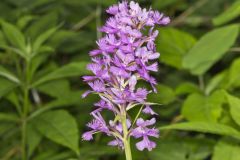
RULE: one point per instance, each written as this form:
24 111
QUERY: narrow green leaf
69 70
232 12
234 103
7 74
60 127
33 138
14 35
205 127
210 49
217 82
42 38
226 150
6 86
234 76
9 117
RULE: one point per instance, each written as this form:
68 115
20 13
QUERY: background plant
44 49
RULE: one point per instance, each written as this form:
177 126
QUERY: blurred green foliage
44 47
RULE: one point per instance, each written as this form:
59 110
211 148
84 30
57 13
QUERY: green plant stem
24 126
25 109
126 139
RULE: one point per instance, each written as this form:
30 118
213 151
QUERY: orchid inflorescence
124 56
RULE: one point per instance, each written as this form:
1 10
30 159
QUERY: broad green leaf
42 38
69 70
164 95
173 44
210 49
231 13
186 88
60 127
198 107
225 150
234 103
14 35
205 127
6 86
7 74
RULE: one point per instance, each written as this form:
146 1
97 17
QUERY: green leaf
42 38
69 70
24 21
8 117
231 13
59 88
226 150
234 103
33 138
205 127
69 99
187 149
60 127
217 82
6 86
7 74
14 35
164 95
202 108
210 49
234 76
42 24
186 88
173 44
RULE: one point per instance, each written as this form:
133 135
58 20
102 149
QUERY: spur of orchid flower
125 55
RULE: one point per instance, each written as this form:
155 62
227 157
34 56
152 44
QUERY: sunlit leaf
234 103
210 49
232 12
198 107
226 150
173 44
205 127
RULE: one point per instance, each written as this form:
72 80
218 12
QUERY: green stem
25 110
126 138
24 126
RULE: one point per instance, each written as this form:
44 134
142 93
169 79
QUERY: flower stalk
125 55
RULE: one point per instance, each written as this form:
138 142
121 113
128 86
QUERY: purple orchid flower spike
125 55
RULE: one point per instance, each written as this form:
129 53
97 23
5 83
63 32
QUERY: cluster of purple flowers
124 56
